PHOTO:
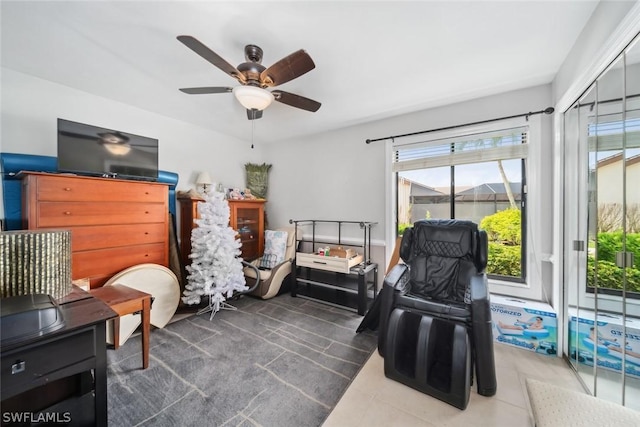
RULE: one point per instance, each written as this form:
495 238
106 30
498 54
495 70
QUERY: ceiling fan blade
296 100
202 50
79 135
205 90
253 114
288 68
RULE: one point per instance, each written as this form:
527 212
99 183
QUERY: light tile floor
373 400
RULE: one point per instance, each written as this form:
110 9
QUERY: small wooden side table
124 300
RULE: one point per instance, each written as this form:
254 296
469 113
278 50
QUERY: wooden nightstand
124 300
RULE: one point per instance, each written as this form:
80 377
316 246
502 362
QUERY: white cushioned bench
557 406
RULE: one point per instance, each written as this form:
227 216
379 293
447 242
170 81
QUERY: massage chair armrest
482 335
479 287
395 282
480 304
398 278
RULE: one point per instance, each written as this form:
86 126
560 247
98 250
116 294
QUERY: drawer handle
67 188
67 213
146 233
18 367
319 262
146 255
146 212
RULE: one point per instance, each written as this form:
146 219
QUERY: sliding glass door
602 232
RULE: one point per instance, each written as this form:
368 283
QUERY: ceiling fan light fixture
117 149
115 143
253 97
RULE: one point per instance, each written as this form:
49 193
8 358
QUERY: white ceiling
373 59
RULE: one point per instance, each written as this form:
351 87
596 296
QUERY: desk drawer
339 265
45 358
59 214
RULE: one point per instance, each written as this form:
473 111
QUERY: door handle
624 259
578 245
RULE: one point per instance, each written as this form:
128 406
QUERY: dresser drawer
59 214
33 363
66 188
111 236
101 263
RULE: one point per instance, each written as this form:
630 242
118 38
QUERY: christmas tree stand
214 307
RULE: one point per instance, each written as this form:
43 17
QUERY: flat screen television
95 151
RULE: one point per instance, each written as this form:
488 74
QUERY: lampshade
203 178
35 262
253 97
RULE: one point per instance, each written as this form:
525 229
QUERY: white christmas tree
216 269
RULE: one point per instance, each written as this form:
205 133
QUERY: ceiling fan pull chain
253 125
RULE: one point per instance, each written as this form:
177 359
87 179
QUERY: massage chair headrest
449 238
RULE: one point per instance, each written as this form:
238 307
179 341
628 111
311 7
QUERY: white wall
587 50
332 176
30 107
610 186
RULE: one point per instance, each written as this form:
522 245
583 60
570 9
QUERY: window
474 176
614 220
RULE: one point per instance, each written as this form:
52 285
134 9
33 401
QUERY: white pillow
275 246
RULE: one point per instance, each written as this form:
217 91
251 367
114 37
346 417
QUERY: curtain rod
548 110
606 101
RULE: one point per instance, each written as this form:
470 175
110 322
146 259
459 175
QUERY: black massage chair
435 319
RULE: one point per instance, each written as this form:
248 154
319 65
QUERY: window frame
537 232
613 127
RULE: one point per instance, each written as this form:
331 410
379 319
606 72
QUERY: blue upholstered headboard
12 163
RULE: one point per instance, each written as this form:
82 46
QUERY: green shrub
611 242
504 260
610 275
504 227
402 227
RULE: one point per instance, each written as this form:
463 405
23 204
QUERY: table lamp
205 180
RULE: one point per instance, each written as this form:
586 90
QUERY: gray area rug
280 362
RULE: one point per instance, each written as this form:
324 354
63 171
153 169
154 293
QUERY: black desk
70 352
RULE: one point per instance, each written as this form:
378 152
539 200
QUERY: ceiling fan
114 142
254 78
